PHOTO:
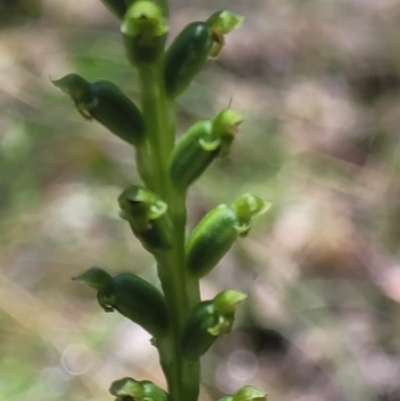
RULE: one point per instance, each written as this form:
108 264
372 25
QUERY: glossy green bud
211 239
214 235
186 56
209 319
104 101
196 338
192 154
136 390
249 393
117 7
200 145
221 23
131 296
145 31
147 216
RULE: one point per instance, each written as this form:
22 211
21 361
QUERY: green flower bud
186 56
249 393
192 154
200 145
226 302
147 216
211 239
221 23
145 30
209 320
248 206
104 101
196 338
117 7
138 390
131 296
225 127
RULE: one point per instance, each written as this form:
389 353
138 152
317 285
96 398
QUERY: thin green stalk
159 122
181 293
142 164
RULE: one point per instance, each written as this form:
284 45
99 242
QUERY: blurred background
319 84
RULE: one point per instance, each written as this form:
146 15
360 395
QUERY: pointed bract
95 278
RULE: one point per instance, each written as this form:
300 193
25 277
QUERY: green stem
159 122
181 292
142 164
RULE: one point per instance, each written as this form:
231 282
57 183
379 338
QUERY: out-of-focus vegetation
320 83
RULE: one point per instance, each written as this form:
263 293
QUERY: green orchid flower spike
182 325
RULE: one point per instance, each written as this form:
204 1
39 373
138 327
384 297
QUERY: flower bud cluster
144 26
